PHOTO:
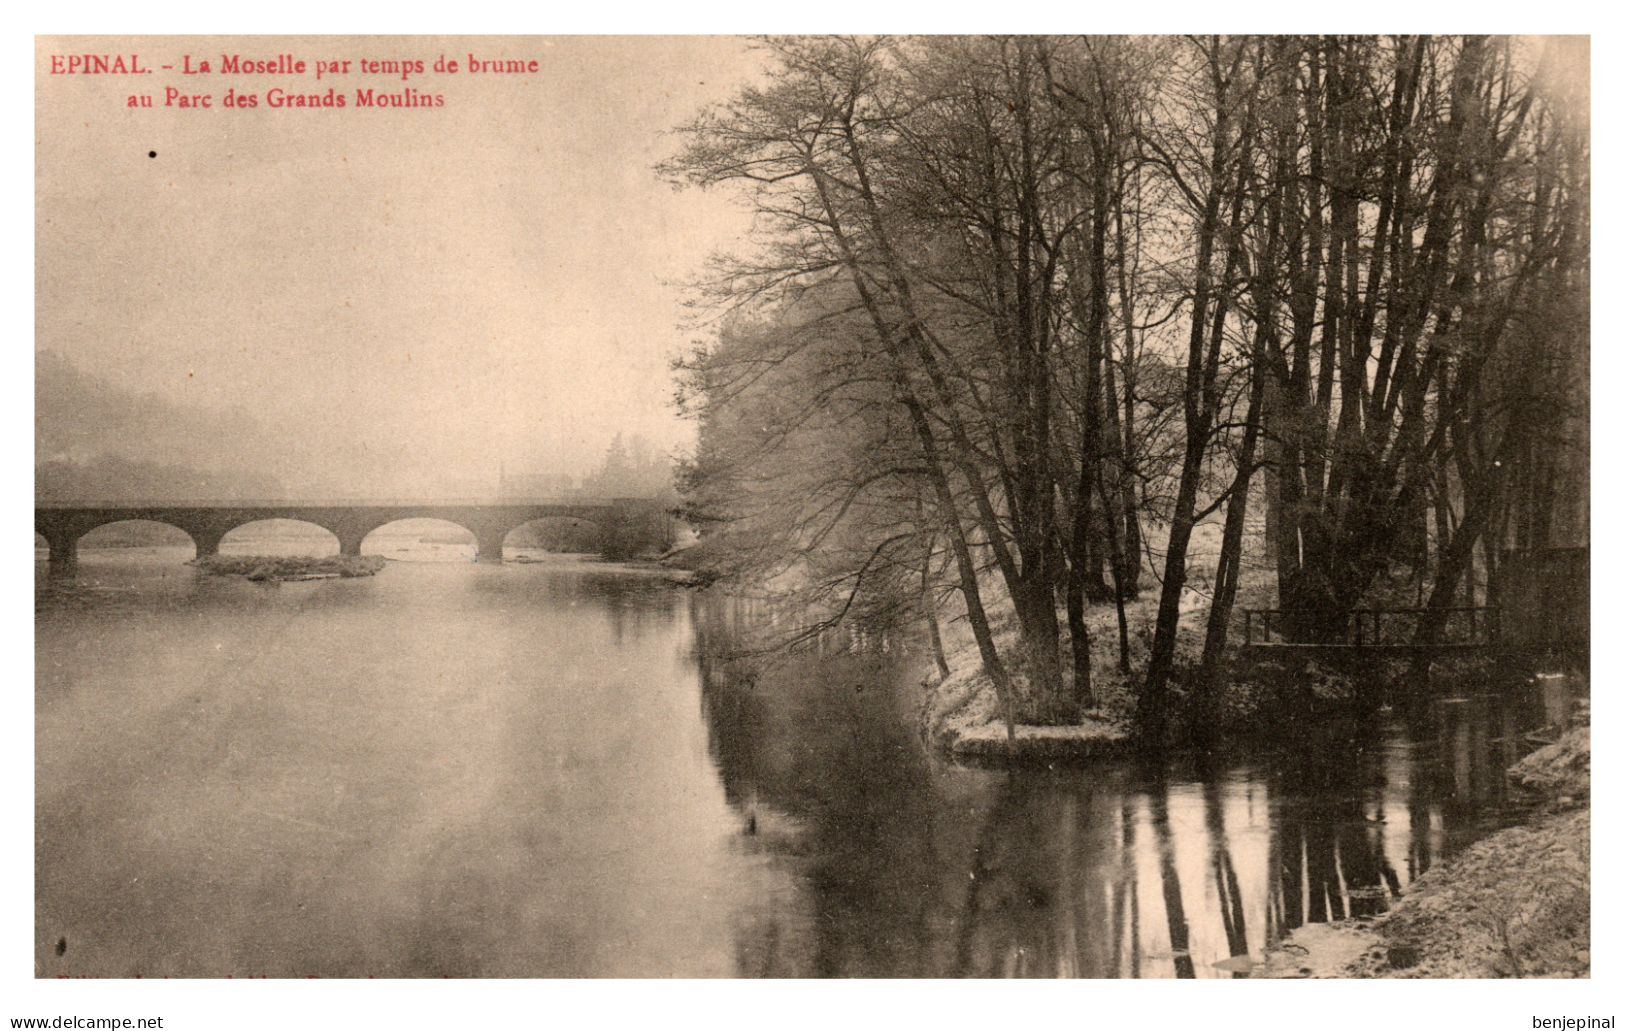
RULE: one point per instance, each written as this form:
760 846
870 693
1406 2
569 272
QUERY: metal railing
1364 628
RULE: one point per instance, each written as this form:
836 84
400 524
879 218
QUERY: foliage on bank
1019 305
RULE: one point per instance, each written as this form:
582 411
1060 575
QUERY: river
555 769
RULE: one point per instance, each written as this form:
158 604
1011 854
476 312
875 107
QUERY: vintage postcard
1067 506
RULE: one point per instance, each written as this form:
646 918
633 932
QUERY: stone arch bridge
625 525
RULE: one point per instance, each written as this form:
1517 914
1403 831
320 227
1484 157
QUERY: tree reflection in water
1225 883
881 859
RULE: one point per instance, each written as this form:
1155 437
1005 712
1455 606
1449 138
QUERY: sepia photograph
812 506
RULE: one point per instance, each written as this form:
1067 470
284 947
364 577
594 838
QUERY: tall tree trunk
1128 486
1201 372
928 601
1211 678
1076 612
1119 588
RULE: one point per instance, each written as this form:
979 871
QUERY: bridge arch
423 539
569 534
63 539
136 533
280 536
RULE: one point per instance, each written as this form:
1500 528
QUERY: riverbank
962 714
1515 904
1260 698
262 568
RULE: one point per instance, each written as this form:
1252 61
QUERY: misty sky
411 295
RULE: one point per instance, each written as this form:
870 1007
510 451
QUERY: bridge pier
490 543
207 541
64 552
350 542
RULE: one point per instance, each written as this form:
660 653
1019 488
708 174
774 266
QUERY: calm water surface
554 769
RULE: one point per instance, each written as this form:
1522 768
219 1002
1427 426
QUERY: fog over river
556 768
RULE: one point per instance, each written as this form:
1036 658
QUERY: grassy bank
289 567
1515 904
1259 697
962 712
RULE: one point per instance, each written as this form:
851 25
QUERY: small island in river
290 567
